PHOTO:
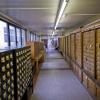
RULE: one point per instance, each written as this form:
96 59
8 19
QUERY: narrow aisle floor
57 82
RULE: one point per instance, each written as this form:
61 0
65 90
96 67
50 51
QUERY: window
28 36
3 34
32 37
12 36
23 37
18 32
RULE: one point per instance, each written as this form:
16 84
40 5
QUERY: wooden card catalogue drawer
98 55
69 46
66 47
98 93
78 48
89 52
85 80
62 44
91 87
73 47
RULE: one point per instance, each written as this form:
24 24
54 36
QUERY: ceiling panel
83 7
40 14
77 12
29 3
36 14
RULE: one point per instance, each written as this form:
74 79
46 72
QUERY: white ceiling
40 14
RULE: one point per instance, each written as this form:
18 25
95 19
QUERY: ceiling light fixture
60 13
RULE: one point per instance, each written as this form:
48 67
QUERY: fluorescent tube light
60 13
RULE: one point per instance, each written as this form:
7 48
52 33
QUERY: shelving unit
89 52
83 50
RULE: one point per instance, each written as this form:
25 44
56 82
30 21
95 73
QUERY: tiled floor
58 84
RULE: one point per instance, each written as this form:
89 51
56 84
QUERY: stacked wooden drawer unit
6 75
98 93
72 50
91 87
78 54
69 48
78 49
89 84
89 52
66 46
61 44
73 47
98 61
98 55
89 59
84 55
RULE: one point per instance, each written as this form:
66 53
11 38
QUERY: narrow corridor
57 82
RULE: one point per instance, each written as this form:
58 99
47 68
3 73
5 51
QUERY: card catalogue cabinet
69 46
6 75
98 55
73 47
66 46
23 70
15 72
78 49
89 52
